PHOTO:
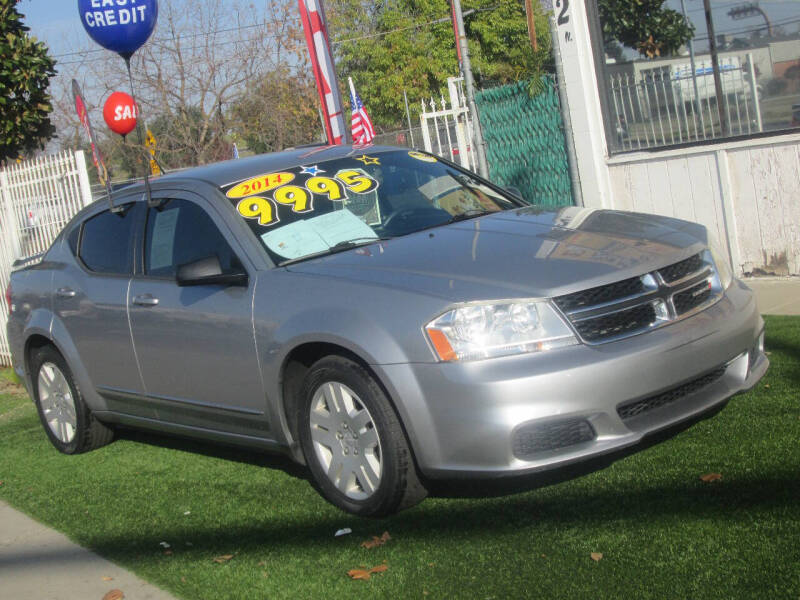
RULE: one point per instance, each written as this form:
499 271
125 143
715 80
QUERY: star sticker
368 160
313 170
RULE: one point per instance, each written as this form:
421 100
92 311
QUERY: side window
180 232
106 245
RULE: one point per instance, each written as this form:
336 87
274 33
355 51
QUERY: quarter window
106 245
180 232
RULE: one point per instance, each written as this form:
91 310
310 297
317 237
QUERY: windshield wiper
470 214
336 248
347 244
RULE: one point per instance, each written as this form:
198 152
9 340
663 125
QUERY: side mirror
514 191
207 271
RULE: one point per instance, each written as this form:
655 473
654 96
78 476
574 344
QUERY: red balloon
120 113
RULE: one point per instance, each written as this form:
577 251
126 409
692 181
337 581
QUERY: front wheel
353 443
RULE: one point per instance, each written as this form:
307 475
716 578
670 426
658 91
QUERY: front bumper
464 420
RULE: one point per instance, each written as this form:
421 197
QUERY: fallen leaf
262 563
710 477
114 595
223 558
167 552
106 578
379 569
359 574
365 574
376 541
183 579
596 556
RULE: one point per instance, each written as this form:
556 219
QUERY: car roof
230 171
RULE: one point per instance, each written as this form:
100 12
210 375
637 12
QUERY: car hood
527 252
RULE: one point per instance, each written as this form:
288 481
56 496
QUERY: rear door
90 296
196 345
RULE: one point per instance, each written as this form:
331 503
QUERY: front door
196 345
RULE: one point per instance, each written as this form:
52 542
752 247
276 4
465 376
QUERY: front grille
601 294
633 409
691 298
536 438
637 304
617 324
682 269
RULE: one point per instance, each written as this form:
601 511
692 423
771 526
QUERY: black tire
398 486
88 433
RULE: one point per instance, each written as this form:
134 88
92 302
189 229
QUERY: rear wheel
68 422
353 443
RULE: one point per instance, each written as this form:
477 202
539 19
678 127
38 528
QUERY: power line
170 39
789 21
233 29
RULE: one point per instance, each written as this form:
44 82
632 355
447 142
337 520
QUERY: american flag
363 132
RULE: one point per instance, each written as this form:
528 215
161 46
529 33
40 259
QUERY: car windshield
325 207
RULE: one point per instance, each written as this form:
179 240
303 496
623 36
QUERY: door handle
145 300
65 292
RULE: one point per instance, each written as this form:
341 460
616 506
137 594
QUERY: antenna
147 192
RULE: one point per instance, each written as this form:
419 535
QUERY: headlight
724 271
491 330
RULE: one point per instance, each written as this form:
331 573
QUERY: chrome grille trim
661 287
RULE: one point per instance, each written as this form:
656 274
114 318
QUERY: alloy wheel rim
58 405
345 440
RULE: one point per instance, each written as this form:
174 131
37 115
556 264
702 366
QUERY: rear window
106 244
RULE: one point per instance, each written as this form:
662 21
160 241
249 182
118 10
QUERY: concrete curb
38 562
776 295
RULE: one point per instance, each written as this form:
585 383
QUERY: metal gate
37 198
448 131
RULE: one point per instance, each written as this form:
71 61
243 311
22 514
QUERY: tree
409 45
281 111
197 67
645 26
25 72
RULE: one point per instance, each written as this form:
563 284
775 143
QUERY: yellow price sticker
259 185
258 208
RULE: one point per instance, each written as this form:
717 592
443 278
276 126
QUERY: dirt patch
9 387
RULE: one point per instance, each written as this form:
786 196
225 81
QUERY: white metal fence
448 131
37 198
669 105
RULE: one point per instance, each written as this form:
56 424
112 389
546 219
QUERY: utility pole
697 107
469 84
712 45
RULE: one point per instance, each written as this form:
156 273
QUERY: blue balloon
121 26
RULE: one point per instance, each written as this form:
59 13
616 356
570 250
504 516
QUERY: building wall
748 192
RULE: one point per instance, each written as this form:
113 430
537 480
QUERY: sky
56 22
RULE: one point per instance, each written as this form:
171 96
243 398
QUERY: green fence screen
525 142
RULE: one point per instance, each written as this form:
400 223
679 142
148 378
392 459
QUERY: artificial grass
663 533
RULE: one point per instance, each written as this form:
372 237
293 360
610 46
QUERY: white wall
748 192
